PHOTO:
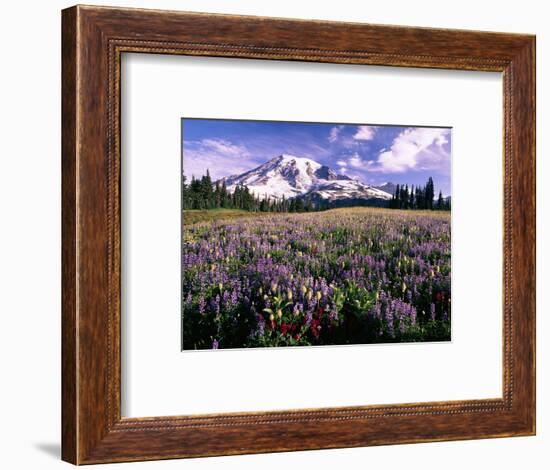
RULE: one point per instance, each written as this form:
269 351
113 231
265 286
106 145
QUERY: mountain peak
301 162
289 176
286 157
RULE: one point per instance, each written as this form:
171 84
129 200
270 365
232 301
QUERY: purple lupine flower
388 316
234 298
260 325
215 305
202 305
324 253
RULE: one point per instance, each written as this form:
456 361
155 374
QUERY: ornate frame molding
94 38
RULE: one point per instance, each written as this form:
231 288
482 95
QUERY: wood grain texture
69 366
94 38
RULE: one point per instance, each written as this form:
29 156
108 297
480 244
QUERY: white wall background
30 271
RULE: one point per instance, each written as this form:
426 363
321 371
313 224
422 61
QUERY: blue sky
373 154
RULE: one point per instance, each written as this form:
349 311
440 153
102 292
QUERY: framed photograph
283 250
286 235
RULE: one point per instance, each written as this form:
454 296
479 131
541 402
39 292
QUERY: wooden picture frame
93 39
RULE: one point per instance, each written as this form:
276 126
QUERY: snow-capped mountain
289 176
346 189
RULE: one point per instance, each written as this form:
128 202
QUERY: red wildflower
315 327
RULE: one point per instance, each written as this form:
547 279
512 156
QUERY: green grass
386 211
196 216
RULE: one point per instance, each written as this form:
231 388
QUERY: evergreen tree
195 190
418 197
429 193
397 197
224 196
440 203
204 194
292 206
184 192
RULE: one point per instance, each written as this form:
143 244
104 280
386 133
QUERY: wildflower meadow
342 276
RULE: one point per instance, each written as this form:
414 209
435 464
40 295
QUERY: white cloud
223 147
220 157
416 148
365 133
342 163
334 133
355 161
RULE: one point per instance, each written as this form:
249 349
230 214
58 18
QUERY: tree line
419 197
203 194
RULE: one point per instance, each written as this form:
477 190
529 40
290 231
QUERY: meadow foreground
343 276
